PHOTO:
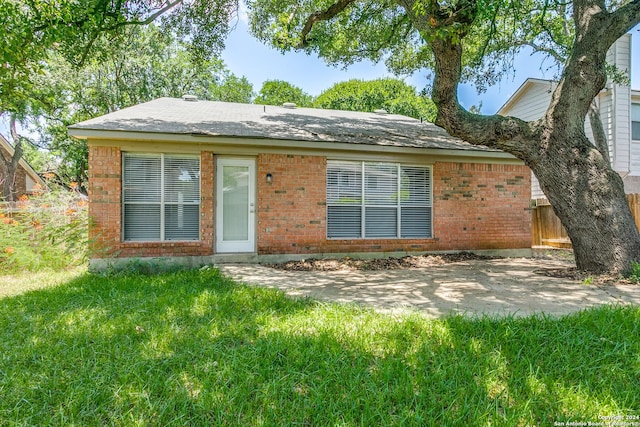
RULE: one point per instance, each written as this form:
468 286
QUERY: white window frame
637 105
363 205
162 203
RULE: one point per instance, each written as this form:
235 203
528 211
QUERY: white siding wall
534 102
617 103
615 112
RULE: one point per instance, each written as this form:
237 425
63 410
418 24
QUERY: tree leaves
33 29
277 92
147 63
392 95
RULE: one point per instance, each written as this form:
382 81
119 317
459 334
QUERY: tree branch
325 15
538 48
155 15
101 29
584 75
395 26
17 142
506 133
625 18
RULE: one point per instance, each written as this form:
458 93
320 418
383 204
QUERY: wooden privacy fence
548 231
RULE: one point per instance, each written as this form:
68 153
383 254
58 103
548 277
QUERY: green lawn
193 348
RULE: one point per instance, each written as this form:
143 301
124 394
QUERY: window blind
344 199
415 202
378 200
161 197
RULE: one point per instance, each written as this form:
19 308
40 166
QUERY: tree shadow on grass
194 348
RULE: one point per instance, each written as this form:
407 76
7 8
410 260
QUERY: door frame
241 246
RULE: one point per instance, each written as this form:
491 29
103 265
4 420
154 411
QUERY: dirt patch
590 279
425 261
408 262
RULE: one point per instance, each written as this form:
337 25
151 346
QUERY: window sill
161 242
380 238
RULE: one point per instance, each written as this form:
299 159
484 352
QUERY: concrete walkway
494 287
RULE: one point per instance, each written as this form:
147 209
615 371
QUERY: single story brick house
204 182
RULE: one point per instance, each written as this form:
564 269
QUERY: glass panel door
235 205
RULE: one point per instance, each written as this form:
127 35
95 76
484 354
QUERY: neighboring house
26 178
619 108
210 181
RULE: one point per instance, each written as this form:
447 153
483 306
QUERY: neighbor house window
635 122
378 200
161 197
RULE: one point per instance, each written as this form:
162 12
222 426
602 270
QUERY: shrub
45 231
634 274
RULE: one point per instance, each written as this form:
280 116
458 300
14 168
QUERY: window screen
378 200
161 197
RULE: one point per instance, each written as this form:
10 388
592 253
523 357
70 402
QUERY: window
378 200
635 122
161 197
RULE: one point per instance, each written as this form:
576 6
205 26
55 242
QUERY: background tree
392 95
277 92
147 64
476 40
33 31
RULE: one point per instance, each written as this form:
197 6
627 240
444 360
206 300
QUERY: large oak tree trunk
588 197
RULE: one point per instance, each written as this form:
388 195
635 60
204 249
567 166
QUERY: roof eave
96 134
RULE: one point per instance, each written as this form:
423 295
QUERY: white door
235 207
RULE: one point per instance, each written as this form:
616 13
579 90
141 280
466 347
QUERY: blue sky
246 56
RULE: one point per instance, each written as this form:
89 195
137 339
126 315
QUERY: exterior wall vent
190 98
290 105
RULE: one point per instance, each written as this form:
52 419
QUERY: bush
45 231
634 274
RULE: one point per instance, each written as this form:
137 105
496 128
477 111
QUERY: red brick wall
292 208
207 209
105 190
104 200
481 206
475 206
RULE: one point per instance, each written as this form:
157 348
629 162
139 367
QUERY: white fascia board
228 145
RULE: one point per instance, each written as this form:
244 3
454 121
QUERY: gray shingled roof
212 118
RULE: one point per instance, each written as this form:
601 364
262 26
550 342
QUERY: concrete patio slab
498 287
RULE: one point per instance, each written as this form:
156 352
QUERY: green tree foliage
35 31
277 92
148 64
392 95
